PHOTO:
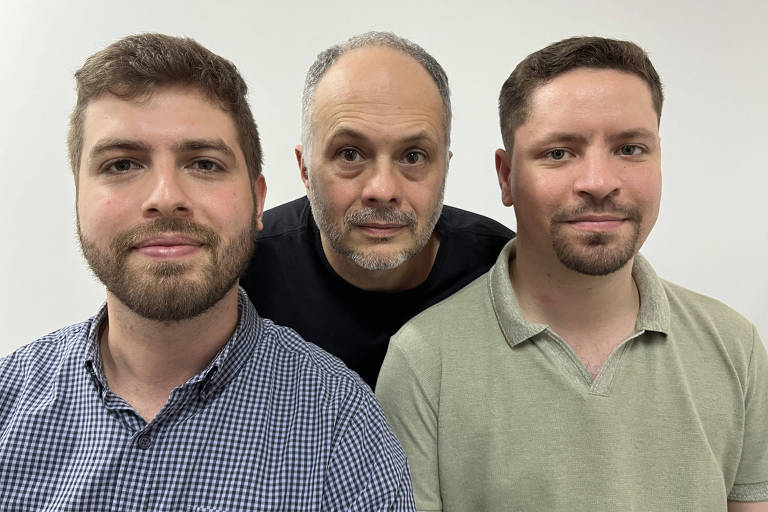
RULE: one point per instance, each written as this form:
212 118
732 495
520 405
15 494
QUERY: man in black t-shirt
371 245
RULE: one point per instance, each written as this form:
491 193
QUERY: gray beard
335 236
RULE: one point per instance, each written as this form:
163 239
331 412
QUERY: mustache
608 206
384 215
126 240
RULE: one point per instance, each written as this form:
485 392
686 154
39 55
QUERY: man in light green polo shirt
570 377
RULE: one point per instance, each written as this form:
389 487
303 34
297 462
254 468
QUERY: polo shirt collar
653 315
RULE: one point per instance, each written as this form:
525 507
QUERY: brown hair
136 65
577 52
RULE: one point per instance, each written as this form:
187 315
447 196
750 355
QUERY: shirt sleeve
410 402
367 468
11 379
751 482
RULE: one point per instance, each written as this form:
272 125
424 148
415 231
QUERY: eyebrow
184 146
200 144
635 133
568 137
421 136
106 145
553 137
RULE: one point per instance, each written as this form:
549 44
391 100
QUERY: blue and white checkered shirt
273 423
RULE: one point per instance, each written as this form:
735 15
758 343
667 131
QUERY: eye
558 154
120 166
630 150
350 155
414 157
205 165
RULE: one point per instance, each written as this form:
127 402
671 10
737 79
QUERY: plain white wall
712 234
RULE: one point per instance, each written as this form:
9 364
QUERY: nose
382 184
598 177
166 195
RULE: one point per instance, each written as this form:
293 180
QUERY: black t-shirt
291 282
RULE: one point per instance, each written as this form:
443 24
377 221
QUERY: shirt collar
653 315
222 368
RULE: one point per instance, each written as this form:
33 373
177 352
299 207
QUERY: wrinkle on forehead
395 123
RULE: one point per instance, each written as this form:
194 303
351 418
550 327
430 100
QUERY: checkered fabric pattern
273 423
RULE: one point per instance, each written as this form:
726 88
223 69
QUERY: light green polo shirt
496 413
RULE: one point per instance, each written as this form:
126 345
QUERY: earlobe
504 174
303 171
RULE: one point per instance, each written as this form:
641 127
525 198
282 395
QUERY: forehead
167 115
587 99
377 84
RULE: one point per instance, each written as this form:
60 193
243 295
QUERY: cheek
648 191
103 214
425 197
236 205
338 196
542 196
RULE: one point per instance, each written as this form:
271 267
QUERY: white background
711 236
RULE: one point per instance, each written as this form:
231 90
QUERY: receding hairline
326 59
344 60
325 91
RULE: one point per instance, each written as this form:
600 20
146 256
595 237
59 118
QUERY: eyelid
340 154
423 154
643 149
106 166
215 162
547 154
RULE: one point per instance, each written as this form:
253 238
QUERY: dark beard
161 290
591 254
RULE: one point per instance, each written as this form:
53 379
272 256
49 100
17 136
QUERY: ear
303 170
259 193
504 173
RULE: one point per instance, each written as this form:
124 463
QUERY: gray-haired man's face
379 158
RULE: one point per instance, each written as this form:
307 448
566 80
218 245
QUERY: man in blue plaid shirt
176 395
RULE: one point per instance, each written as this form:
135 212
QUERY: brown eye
414 157
350 155
121 166
206 165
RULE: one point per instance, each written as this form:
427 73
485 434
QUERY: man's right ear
303 168
504 173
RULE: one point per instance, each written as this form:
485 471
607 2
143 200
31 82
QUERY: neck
409 275
571 302
144 360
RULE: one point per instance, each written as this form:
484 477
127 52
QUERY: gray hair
385 39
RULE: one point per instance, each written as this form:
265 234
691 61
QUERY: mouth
597 222
380 230
168 247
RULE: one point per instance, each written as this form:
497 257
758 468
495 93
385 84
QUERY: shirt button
144 442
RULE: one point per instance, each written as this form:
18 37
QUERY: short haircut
137 65
544 65
328 57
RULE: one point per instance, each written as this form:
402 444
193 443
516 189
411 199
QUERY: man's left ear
259 193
